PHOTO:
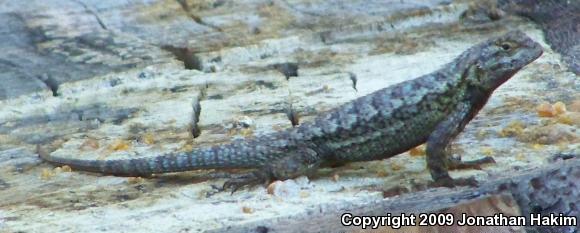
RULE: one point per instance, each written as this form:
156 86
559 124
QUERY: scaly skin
433 108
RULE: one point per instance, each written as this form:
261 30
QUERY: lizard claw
472 164
215 190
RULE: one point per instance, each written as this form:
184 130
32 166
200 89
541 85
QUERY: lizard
432 109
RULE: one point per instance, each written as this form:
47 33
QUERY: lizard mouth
539 51
536 52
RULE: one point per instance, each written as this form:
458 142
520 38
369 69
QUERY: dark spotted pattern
433 108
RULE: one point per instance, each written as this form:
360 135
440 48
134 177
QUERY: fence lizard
433 108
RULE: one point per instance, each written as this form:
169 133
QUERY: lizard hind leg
303 161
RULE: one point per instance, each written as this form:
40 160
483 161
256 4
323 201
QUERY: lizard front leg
438 160
302 161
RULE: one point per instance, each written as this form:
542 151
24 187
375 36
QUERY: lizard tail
225 156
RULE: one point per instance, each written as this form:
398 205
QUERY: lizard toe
472 164
248 179
450 182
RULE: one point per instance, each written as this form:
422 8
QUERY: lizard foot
248 179
450 182
456 163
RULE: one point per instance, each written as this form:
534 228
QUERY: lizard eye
506 46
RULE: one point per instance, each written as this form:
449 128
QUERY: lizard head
501 57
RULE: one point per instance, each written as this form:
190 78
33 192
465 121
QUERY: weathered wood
83 39
559 20
553 189
114 79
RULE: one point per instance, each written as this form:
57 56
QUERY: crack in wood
187 9
185 55
50 82
88 10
